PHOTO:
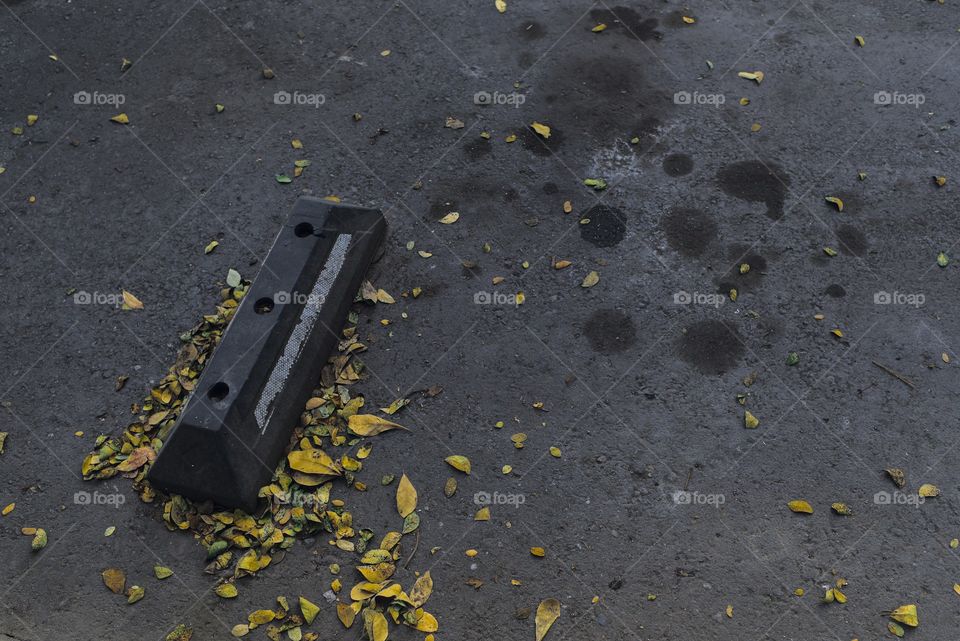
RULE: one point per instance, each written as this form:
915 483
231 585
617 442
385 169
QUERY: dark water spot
477 148
675 20
627 22
606 97
511 195
550 188
606 227
712 346
835 290
688 231
737 255
440 208
537 144
851 240
531 30
610 331
646 132
677 165
757 182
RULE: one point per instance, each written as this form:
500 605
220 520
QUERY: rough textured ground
640 390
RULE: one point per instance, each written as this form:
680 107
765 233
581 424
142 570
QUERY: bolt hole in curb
218 392
263 306
303 230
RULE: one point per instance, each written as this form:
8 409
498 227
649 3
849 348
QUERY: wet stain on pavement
688 231
627 22
477 148
531 30
757 182
537 144
606 227
677 165
712 346
738 255
607 96
851 240
835 291
610 331
550 188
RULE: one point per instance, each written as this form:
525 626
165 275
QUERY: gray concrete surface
640 389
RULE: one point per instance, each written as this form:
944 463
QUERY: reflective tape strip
298 337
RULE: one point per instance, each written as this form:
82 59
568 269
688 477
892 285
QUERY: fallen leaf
907 615
114 579
501 5
459 462
801 507
750 421
590 279
836 201
130 301
162 572
421 590
541 129
226 591
547 612
483 514
406 496
756 76
121 118
928 490
842 509
450 218
896 475
370 425
134 594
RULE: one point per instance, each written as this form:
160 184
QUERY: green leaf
233 278
793 358
283 179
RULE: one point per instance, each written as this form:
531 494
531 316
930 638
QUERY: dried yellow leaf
756 76
406 496
483 514
450 218
130 301
590 279
501 5
928 490
836 201
801 507
459 462
547 612
370 425
121 118
538 552
907 615
750 421
541 129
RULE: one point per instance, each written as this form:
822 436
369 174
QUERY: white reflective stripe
298 337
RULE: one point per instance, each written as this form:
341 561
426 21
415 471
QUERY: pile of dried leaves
327 448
